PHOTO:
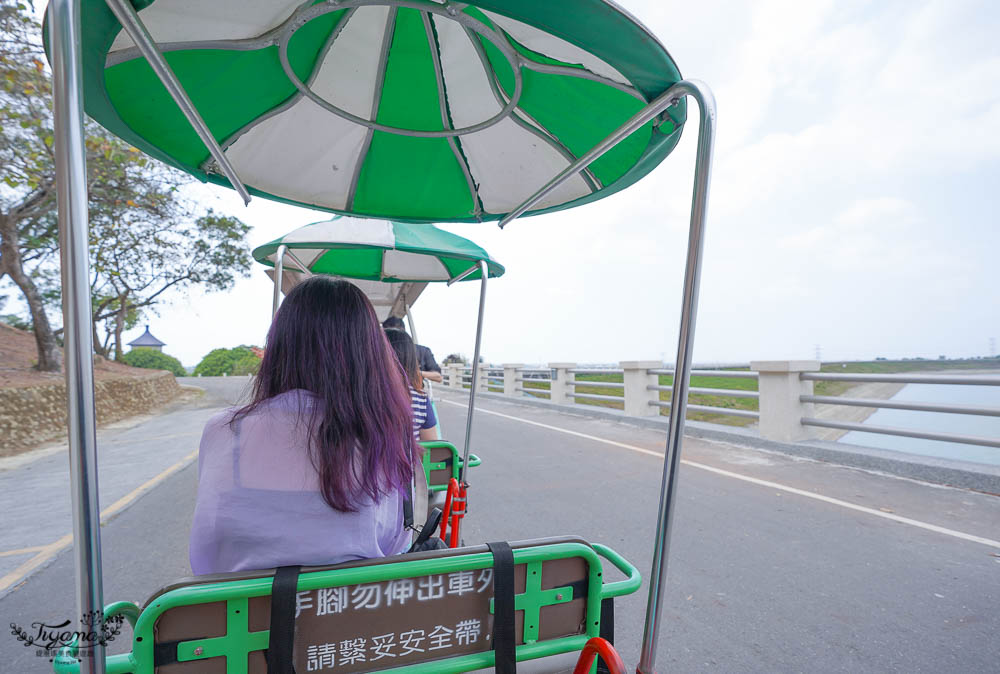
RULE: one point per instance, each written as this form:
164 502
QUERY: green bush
235 361
151 359
246 365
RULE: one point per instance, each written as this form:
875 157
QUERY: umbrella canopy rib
454 141
387 35
518 115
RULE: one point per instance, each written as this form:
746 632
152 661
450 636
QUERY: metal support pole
133 25
475 366
71 191
682 372
409 320
279 271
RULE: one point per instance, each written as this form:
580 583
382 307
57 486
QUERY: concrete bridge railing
776 394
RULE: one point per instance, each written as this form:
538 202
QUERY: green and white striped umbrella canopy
378 250
391 262
417 110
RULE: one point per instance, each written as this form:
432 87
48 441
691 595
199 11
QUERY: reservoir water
964 424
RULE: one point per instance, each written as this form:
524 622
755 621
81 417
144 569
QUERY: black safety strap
504 641
607 629
165 653
408 510
282 638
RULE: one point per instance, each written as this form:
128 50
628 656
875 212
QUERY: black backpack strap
504 641
282 638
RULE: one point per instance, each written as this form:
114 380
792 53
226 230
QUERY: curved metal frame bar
306 14
485 273
689 309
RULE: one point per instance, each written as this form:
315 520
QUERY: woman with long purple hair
315 469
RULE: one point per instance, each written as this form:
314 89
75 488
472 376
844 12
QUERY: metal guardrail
887 430
734 374
727 411
597 396
901 405
730 392
944 408
597 370
597 384
967 379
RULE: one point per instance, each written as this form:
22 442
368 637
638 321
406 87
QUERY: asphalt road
762 577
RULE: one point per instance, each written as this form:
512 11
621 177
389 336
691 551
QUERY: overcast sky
854 206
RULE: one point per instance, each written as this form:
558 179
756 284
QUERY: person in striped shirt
424 420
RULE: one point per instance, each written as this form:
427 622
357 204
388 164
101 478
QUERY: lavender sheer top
259 504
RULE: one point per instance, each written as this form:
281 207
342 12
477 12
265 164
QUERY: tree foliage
239 360
146 238
152 359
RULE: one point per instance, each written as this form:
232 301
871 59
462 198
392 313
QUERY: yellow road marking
21 551
753 480
47 552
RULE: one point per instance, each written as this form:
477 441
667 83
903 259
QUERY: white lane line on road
753 480
47 552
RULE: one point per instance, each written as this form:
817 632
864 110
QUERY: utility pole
819 353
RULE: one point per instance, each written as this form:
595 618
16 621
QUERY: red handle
598 646
446 515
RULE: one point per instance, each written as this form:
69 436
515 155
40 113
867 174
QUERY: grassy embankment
829 388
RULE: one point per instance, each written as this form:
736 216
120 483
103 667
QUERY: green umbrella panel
398 109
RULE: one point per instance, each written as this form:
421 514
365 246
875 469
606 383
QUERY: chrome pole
682 371
133 25
409 321
71 194
279 271
475 365
428 384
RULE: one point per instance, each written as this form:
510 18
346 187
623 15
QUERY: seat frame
237 589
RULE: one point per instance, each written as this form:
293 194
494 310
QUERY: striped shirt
423 412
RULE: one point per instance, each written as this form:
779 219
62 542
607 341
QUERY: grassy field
829 388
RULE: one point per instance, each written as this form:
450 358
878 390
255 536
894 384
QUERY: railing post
454 374
781 411
637 395
510 378
560 389
484 378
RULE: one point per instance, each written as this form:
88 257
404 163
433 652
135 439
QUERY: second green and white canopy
378 250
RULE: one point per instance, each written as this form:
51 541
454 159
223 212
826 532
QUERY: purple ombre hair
327 340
